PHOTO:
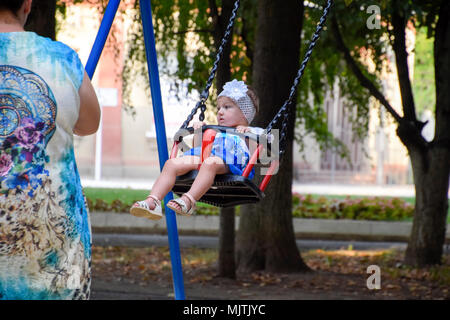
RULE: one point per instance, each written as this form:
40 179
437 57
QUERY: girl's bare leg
166 180
205 178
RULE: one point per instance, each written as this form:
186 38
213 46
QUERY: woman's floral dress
45 236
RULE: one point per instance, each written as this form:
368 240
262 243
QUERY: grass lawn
129 196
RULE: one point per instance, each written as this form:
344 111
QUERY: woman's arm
89 115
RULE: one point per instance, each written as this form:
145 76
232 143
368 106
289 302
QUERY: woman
45 97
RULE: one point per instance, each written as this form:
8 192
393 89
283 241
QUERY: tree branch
244 35
442 68
194 30
409 131
214 12
401 58
365 82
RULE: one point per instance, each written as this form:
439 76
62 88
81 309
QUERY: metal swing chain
205 93
284 110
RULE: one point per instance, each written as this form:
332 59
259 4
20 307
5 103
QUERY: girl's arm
197 137
255 130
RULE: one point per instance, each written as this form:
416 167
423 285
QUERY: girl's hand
242 129
198 125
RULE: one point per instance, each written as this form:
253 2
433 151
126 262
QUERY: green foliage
373 208
135 66
303 206
185 45
120 200
369 49
326 69
184 36
186 52
424 85
60 15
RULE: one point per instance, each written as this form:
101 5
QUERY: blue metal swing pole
90 67
149 39
102 34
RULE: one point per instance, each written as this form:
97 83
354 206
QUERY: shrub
306 206
119 206
373 208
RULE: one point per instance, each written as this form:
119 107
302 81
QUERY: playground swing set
227 189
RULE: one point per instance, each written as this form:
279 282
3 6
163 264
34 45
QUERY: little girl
237 105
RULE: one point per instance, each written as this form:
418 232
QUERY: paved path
124 289
145 240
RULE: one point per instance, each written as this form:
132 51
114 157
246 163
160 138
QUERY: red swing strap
207 143
251 163
173 153
272 168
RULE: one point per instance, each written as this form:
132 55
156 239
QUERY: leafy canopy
186 52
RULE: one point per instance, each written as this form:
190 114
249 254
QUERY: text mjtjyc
237 310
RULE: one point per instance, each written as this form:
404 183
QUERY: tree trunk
430 161
431 167
42 18
226 260
431 180
226 263
266 238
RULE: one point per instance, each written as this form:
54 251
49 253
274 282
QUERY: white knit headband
237 91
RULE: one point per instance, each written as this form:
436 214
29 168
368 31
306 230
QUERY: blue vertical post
102 34
150 50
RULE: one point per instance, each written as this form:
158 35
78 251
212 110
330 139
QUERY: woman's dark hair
254 97
11 5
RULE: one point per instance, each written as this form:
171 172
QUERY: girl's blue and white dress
232 149
45 235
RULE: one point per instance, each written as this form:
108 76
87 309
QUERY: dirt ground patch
145 273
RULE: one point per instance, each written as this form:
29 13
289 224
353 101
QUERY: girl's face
229 114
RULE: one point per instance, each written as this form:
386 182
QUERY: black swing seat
228 190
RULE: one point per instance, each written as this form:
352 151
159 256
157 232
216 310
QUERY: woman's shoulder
28 43
56 47
64 55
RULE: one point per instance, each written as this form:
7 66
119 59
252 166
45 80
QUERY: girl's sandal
183 207
141 209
